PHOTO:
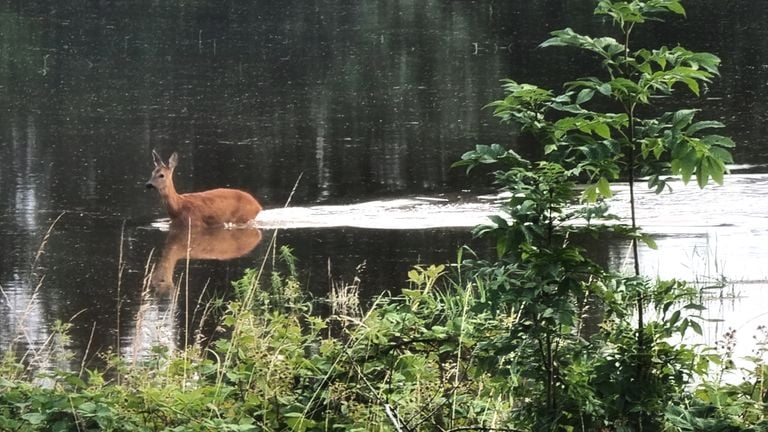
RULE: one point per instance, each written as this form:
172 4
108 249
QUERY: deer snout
149 185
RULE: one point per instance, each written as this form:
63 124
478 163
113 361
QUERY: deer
211 208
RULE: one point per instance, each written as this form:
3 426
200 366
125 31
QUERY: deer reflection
156 320
198 243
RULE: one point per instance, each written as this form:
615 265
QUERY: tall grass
424 360
404 363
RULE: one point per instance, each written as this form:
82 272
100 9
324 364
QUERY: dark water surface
367 102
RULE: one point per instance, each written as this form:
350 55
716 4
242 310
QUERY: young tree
597 130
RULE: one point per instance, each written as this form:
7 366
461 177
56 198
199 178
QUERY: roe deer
215 207
200 243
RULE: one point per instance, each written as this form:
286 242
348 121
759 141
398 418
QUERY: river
353 109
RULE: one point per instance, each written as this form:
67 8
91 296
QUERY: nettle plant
597 130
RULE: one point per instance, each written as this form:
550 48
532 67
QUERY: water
366 102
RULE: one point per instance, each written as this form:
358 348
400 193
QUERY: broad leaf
584 96
604 187
701 125
602 129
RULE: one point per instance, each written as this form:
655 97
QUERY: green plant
599 129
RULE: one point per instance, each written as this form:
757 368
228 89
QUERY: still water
356 107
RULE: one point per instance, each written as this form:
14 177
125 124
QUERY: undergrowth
435 357
408 363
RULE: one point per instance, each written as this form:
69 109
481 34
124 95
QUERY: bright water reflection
715 237
720 231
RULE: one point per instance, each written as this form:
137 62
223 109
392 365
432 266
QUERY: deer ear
173 160
157 159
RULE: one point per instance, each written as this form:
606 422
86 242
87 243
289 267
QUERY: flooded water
354 109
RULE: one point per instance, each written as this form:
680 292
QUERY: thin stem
186 297
635 252
550 374
632 210
119 306
631 180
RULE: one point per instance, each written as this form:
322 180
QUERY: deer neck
172 200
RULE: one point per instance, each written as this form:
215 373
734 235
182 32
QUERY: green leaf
716 169
297 422
501 246
649 241
682 118
702 173
696 327
499 221
701 125
584 96
674 318
675 7
692 84
718 140
414 276
602 130
707 61
604 187
549 148
721 154
590 194
415 294
34 418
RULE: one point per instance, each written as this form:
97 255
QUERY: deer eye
162 176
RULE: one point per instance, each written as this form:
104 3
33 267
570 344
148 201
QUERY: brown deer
211 208
200 243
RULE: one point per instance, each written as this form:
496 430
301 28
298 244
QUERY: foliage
616 375
409 362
